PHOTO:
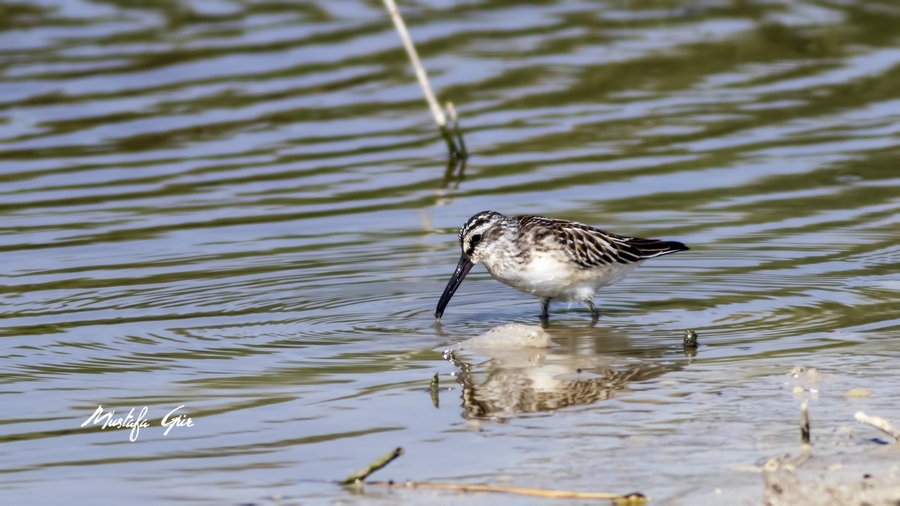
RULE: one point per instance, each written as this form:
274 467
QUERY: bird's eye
476 239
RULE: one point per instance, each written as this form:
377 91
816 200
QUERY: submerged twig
456 169
804 425
690 339
690 344
635 498
436 112
377 464
435 398
879 423
456 131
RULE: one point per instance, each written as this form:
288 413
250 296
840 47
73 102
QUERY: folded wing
591 247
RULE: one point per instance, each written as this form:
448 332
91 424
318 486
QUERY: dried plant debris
785 488
879 423
844 479
809 374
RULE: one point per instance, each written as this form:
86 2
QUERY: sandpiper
548 258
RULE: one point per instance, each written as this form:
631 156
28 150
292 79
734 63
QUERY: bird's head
478 235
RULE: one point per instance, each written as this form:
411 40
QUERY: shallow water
244 208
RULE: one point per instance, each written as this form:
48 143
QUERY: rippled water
244 208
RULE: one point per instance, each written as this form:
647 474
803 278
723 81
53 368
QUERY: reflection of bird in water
522 382
548 258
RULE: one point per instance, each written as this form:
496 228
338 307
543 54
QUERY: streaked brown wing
591 247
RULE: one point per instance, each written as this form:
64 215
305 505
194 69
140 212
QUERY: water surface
244 208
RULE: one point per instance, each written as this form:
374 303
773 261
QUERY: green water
244 208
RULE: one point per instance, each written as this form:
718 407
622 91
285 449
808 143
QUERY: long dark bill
462 268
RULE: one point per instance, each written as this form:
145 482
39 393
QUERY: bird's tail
650 248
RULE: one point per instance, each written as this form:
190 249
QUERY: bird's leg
545 309
595 314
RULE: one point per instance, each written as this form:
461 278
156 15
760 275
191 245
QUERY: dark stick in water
377 464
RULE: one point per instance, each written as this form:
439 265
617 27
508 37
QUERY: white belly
547 276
